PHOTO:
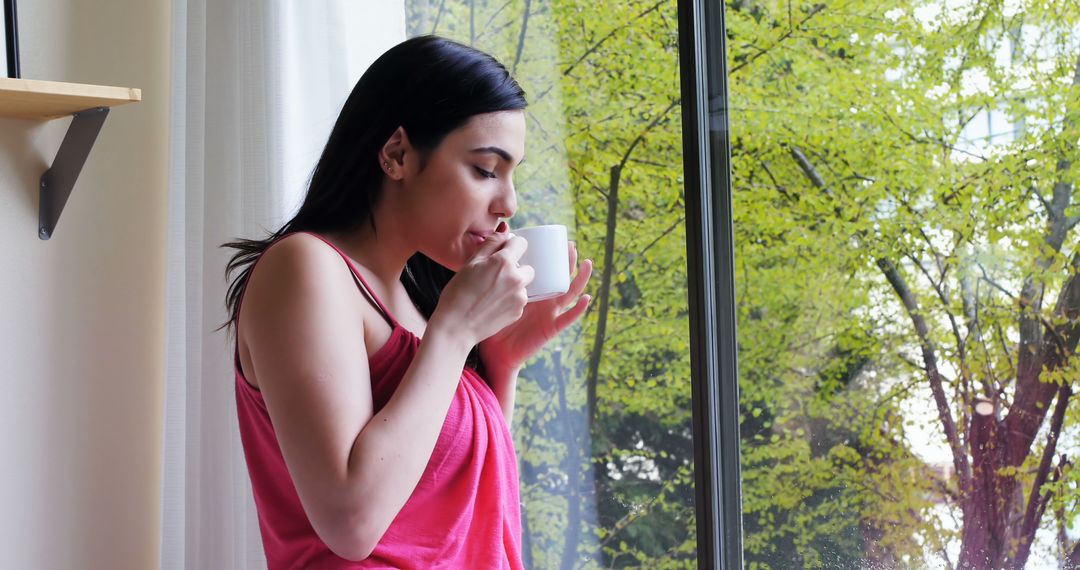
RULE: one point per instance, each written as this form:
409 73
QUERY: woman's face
465 188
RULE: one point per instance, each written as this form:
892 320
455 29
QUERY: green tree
867 227
886 267
603 429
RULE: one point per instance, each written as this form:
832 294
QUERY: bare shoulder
296 257
297 264
300 291
305 345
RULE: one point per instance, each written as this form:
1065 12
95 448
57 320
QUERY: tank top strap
360 281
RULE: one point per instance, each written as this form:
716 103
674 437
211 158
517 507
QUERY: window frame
711 283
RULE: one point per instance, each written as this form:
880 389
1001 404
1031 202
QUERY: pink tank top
464 513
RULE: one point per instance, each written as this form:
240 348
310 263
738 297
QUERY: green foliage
848 139
850 126
606 456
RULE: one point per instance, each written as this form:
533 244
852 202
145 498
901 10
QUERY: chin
450 261
453 266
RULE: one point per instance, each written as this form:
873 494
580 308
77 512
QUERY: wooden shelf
87 105
34 99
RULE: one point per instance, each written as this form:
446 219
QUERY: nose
505 205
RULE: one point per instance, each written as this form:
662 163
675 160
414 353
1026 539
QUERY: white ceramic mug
549 256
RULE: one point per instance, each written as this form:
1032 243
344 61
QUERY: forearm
503 381
392 451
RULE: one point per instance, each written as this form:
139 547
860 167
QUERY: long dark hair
427 85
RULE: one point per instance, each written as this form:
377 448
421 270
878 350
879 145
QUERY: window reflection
603 425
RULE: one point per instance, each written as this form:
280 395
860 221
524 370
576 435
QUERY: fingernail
502 227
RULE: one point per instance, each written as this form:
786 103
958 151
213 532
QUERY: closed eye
485 173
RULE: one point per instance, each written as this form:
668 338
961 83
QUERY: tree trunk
982 535
574 458
605 293
999 522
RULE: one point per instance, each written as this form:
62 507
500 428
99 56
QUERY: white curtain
256 86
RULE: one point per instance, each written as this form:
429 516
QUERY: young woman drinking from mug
380 331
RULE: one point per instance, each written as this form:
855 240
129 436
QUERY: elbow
352 552
351 538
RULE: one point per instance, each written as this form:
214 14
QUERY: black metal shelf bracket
59 179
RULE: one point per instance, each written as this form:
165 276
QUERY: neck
383 254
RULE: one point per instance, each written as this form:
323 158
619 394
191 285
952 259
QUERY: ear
392 154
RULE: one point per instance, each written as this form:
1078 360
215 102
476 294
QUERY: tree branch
593 374
641 136
438 16
924 140
965 372
1036 503
592 49
1030 363
653 163
779 187
599 190
1035 192
634 515
807 168
670 229
960 462
521 38
971 304
1067 307
791 31
942 267
491 18
472 22
615 178
1024 304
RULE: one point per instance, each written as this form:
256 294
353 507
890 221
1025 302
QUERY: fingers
577 286
492 244
573 256
527 273
574 313
513 248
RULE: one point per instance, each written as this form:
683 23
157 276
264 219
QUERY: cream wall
82 326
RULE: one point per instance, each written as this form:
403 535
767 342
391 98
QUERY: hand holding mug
548 254
552 306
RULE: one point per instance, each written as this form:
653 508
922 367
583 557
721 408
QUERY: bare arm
353 469
504 383
505 352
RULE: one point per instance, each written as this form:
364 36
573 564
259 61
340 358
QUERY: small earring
386 164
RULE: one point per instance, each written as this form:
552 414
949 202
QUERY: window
903 180
604 428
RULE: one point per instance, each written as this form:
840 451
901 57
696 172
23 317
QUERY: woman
380 331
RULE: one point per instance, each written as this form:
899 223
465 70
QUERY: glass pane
603 420
908 274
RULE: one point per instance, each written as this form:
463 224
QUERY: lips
482 234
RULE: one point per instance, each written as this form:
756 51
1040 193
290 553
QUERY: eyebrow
496 150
